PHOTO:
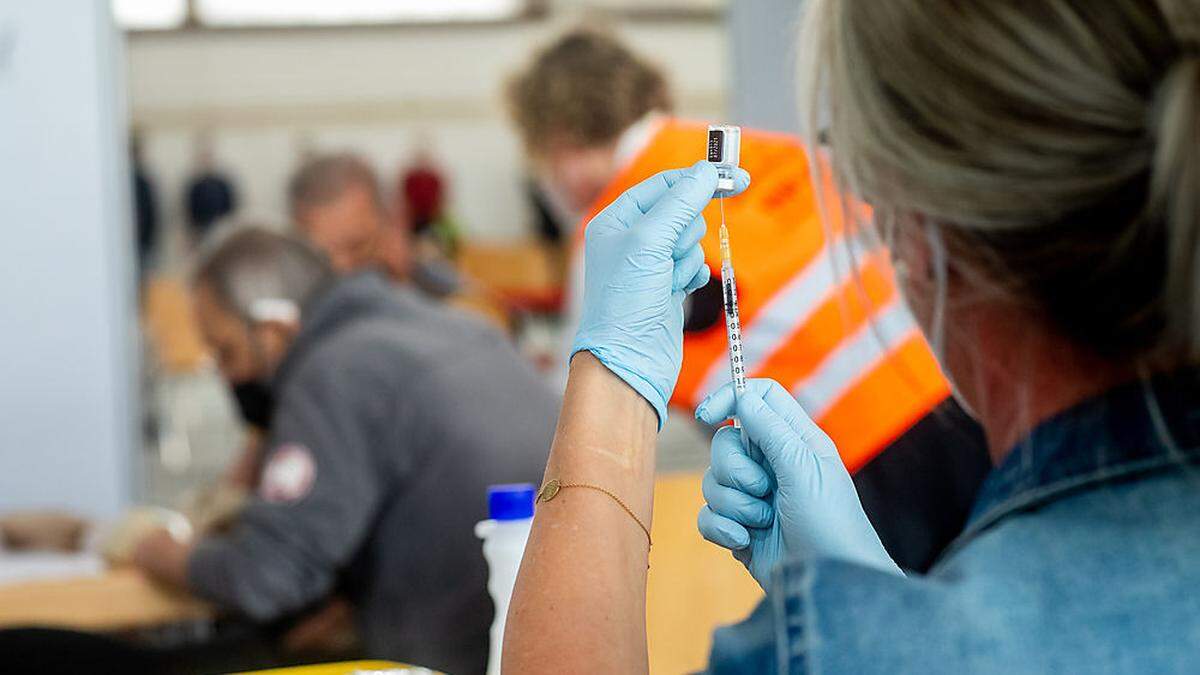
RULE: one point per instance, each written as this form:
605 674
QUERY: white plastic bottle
510 508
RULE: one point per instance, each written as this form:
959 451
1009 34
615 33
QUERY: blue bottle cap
511 502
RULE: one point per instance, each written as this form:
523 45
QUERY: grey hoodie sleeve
319 492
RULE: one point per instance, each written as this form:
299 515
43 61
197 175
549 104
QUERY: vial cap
511 502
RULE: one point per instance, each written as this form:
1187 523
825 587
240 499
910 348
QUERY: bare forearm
579 602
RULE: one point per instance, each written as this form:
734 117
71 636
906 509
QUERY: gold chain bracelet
551 489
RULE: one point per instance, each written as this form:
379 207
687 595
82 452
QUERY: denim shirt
1082 554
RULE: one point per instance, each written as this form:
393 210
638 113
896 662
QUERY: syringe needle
733 323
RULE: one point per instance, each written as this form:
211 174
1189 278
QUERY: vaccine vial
724 150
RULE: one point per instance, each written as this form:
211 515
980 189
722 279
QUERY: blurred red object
423 189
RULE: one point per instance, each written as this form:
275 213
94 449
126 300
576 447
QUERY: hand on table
118 541
155 540
162 556
643 257
800 501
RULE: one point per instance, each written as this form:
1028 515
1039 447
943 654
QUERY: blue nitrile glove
642 258
800 501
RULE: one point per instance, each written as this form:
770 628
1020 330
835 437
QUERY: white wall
66 281
269 94
764 59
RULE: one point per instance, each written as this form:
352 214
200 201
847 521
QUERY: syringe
724 151
733 321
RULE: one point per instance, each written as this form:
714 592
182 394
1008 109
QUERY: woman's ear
911 250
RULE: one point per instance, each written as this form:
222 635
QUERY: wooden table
528 275
111 602
694 586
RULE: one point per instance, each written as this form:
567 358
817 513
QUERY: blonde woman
1035 167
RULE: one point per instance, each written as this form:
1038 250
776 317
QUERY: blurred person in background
596 119
145 203
1034 168
388 417
211 194
336 202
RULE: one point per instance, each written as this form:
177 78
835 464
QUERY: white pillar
67 334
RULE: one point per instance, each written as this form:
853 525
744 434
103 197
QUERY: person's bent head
249 288
335 201
1036 167
573 102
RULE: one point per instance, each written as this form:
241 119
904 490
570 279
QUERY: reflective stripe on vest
826 321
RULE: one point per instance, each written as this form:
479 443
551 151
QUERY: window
343 12
149 14
659 6
168 14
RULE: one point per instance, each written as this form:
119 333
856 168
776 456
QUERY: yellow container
346 668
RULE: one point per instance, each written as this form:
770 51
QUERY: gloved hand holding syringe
788 492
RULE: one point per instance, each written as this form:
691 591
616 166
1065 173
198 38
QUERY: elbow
261 590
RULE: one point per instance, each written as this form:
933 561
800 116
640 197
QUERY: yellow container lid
345 668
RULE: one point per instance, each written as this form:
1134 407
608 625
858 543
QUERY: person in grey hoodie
388 418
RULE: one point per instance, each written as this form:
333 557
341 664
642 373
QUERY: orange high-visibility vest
823 320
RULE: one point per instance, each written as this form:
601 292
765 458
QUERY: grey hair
324 178
252 268
1055 146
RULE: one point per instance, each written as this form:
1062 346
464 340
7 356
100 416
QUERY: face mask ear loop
941 278
885 227
937 249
